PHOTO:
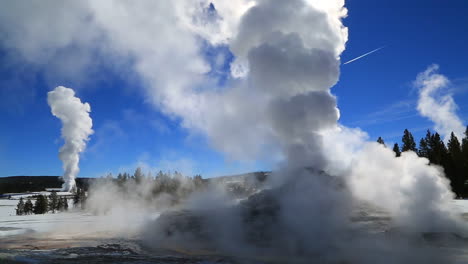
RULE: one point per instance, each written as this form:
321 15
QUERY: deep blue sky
416 34
374 93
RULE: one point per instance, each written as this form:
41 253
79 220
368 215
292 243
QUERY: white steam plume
437 104
280 103
417 195
166 52
76 128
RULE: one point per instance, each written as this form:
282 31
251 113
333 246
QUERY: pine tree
60 204
454 147
20 207
198 181
138 175
408 142
396 149
159 175
438 151
381 141
41 204
454 166
83 199
77 197
464 146
65 204
109 176
120 178
424 149
28 207
464 149
53 202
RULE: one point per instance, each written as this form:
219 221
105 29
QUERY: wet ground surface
127 253
111 251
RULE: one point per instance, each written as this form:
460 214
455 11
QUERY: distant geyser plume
76 128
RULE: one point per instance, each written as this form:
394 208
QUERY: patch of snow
73 223
17 196
461 206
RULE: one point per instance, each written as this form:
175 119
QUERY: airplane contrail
370 52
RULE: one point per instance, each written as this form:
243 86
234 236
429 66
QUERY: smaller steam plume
437 104
76 128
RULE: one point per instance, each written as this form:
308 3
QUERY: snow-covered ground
461 206
12 224
50 237
73 223
7 208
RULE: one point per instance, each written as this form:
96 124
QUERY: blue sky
374 93
415 34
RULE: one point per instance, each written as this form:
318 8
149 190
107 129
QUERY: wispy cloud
395 136
396 111
107 134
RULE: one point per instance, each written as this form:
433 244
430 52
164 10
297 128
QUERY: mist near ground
313 215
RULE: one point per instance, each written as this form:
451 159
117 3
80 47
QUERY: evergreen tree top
381 141
396 149
408 142
453 145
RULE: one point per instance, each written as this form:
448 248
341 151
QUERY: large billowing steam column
76 128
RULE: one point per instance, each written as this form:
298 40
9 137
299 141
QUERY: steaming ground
77 237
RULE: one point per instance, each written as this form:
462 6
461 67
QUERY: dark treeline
43 204
168 188
453 156
175 183
23 184
167 182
